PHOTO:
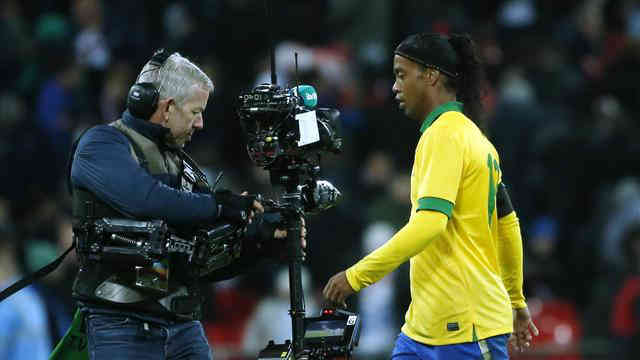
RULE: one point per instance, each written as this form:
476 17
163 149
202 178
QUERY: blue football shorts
493 348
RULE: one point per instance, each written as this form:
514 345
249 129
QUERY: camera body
286 135
283 125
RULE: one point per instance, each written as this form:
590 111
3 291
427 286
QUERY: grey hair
175 77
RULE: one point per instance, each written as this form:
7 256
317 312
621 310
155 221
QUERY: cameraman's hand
338 289
278 246
236 208
257 207
282 233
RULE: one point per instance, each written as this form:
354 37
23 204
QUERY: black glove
261 231
233 207
267 227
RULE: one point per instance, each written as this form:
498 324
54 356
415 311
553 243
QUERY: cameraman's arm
421 229
103 165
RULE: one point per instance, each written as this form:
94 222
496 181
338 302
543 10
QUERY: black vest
118 286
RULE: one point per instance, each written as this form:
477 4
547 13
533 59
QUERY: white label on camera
351 320
308 125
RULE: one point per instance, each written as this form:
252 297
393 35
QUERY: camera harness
207 251
102 235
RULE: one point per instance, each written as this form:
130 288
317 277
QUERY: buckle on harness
181 304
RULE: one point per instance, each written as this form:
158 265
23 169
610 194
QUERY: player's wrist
517 305
350 273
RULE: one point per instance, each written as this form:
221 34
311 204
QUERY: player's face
409 87
187 117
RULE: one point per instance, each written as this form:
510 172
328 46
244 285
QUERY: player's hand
523 329
338 289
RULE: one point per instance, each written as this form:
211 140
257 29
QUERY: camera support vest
103 282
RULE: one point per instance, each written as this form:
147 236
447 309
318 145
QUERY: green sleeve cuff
437 204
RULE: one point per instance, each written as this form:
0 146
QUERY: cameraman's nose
199 123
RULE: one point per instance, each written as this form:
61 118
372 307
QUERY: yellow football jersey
456 289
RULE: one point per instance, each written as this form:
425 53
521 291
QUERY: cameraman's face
185 118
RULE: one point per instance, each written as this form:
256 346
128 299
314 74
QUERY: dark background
561 108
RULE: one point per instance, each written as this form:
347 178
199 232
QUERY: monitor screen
324 328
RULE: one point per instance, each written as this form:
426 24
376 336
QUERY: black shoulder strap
26 281
194 165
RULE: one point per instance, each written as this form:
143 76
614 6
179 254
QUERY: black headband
430 51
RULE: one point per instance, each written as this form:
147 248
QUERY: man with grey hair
135 168
182 87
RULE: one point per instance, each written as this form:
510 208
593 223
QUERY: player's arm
439 163
423 227
510 248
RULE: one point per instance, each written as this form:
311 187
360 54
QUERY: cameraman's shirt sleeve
413 238
103 164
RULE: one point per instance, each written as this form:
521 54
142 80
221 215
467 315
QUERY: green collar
448 106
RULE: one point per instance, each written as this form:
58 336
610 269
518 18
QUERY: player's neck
437 100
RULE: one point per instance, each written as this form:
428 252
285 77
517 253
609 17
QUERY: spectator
23 330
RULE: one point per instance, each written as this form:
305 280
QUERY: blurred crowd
562 108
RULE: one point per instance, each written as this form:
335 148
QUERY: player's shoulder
452 124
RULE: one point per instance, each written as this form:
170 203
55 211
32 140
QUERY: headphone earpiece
142 100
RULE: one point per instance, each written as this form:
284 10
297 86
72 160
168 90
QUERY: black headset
142 99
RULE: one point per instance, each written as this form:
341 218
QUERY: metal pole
295 257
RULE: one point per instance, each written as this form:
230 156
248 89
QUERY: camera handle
292 214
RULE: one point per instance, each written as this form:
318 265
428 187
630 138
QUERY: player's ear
432 76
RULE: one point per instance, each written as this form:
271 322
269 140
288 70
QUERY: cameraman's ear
171 105
166 107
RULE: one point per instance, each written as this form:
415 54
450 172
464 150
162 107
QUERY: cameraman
135 168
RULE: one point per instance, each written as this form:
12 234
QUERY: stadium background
562 110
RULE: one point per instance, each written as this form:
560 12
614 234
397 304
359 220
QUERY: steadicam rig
287 134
